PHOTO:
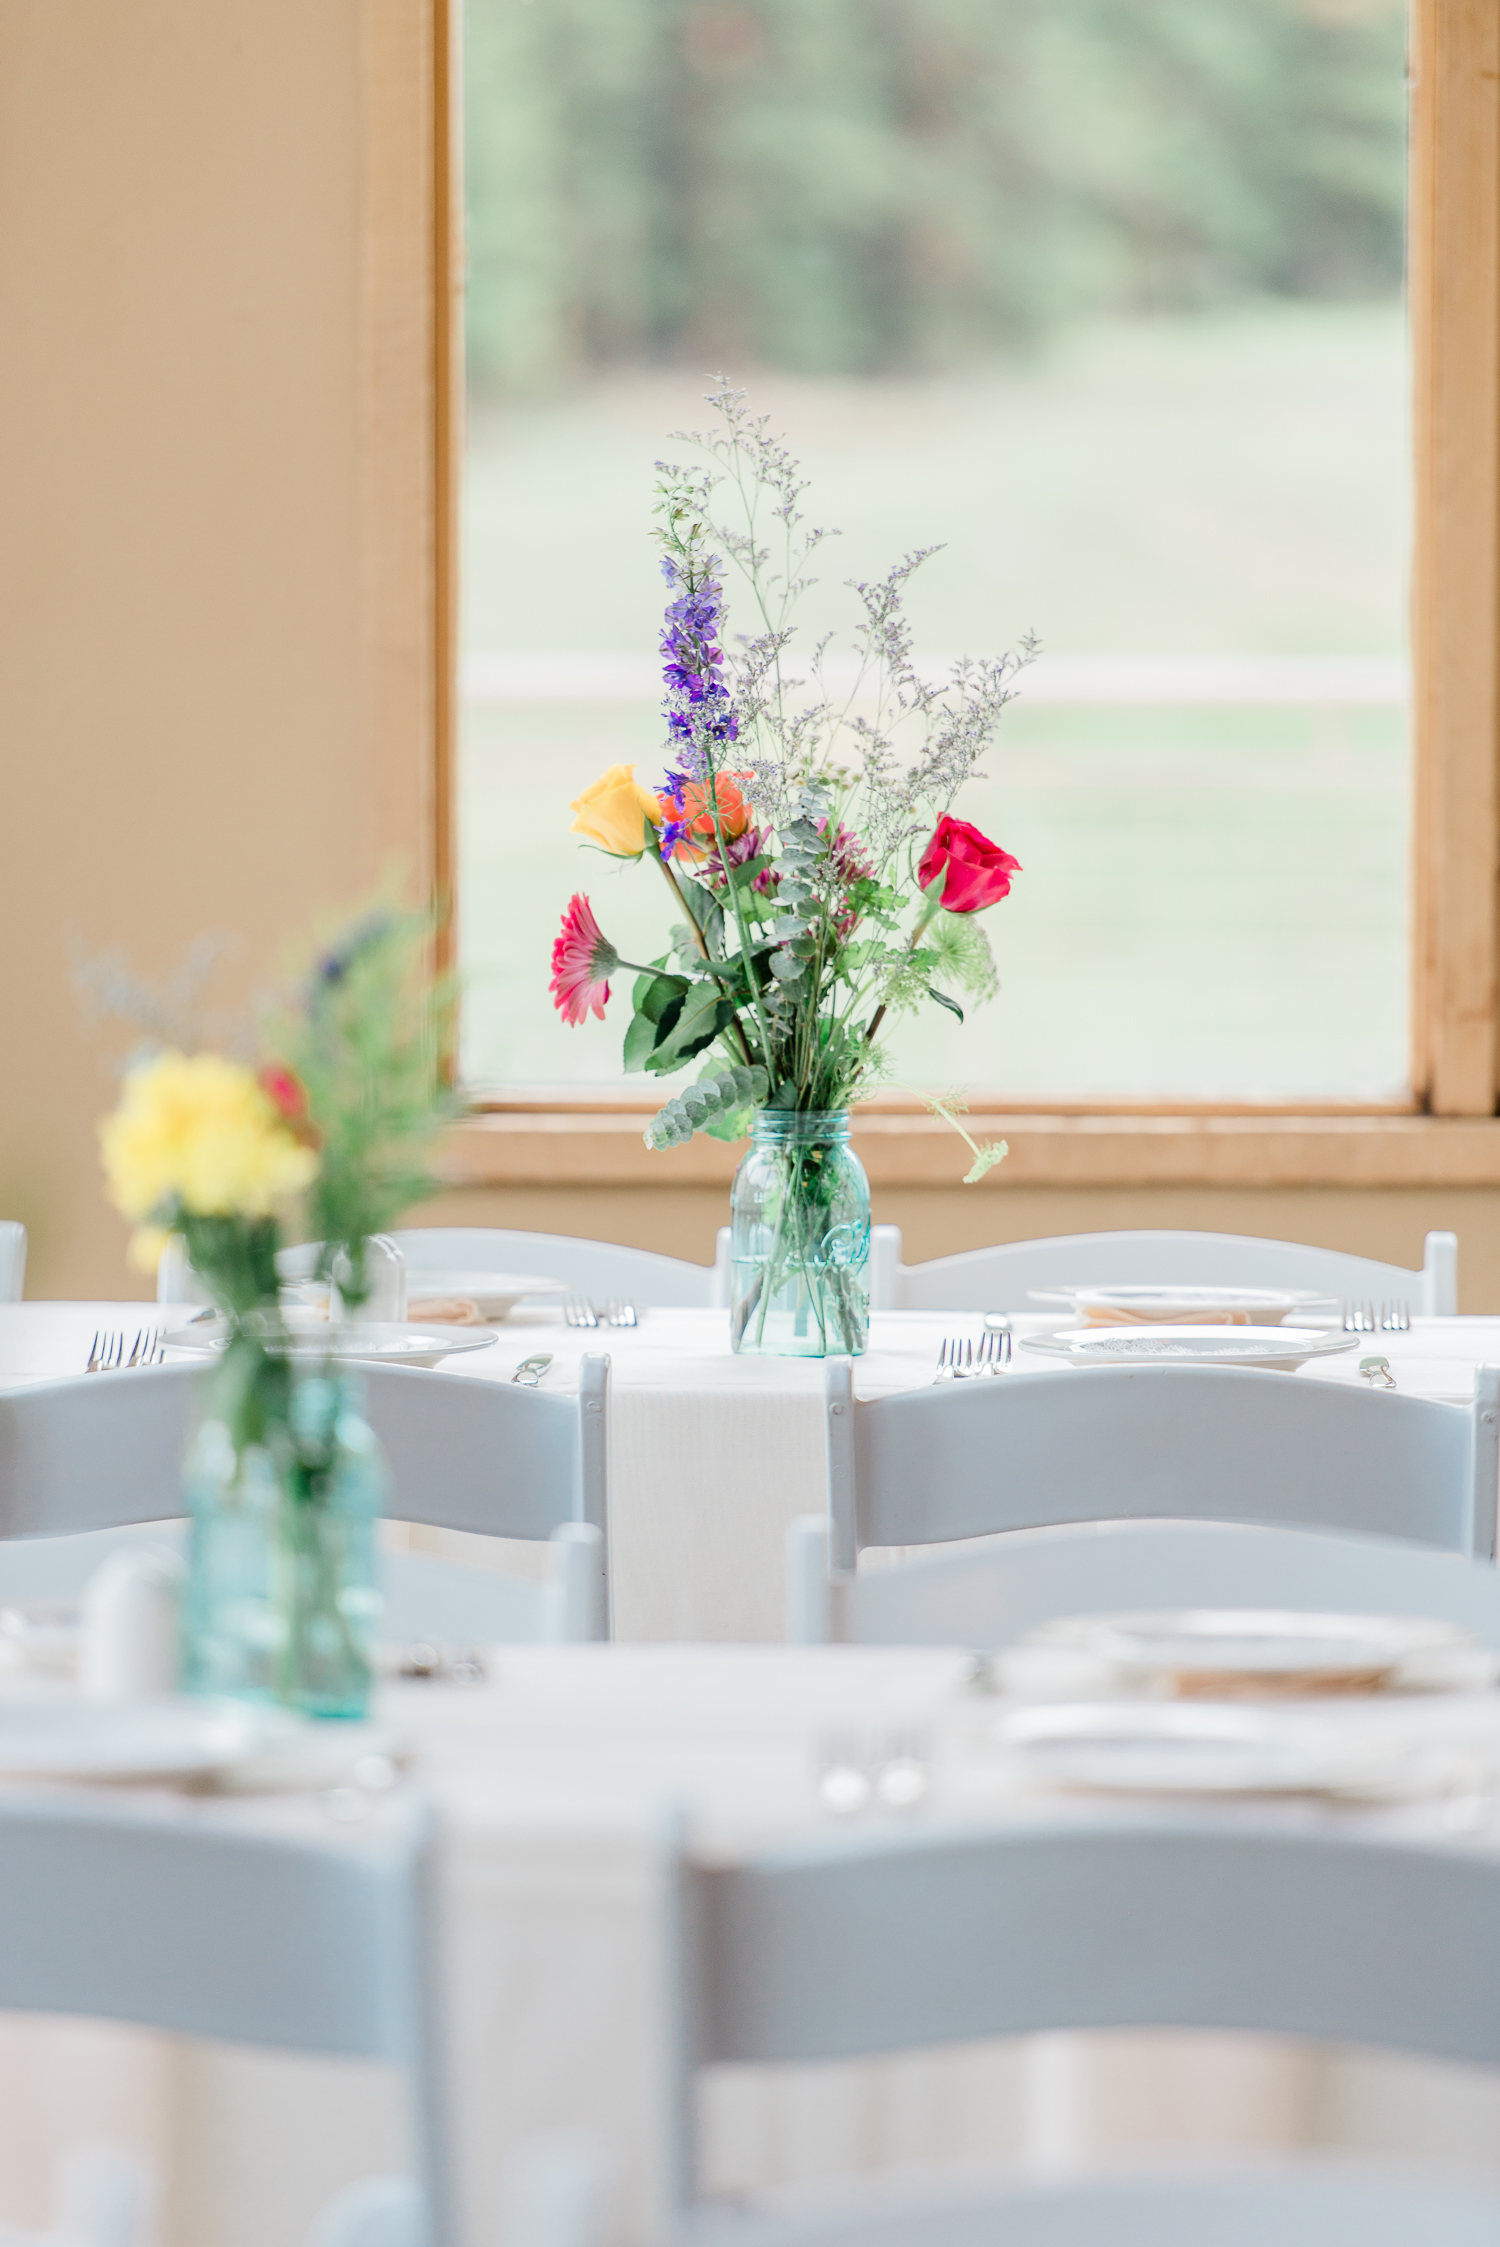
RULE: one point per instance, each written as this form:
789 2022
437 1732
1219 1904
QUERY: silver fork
955 1359
1395 1318
994 1351
620 1314
1359 1318
577 1312
109 1352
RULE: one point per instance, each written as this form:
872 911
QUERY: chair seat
1306 2204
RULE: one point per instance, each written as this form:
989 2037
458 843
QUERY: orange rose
688 831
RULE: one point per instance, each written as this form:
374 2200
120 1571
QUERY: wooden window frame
1446 1131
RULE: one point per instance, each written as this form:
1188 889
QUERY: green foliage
950 1106
850 186
720 1102
961 954
366 1042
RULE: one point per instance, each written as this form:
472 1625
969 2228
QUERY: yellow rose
196 1133
615 812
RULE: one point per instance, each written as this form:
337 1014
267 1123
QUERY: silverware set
963 1359
579 1311
110 1352
1376 1318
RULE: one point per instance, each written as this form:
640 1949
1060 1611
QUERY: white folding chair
105 1450
1002 1278
589 1268
12 1260
867 1942
217 1924
1139 1456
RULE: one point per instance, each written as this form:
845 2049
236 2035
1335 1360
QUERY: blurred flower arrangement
824 886
285 1481
218 1149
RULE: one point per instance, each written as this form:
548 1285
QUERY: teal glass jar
282 1600
800 1239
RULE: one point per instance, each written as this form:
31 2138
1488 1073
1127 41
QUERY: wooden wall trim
569 1149
1455 310
447 346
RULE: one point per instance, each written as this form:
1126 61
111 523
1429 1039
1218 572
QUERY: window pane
1104 296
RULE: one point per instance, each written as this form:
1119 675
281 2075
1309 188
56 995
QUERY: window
1223 813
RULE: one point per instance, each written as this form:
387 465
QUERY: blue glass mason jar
800 1239
282 1599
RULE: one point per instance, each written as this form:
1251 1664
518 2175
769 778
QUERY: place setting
1230 1703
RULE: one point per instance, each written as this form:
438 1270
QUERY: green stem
740 922
676 888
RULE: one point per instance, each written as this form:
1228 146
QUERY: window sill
577 1147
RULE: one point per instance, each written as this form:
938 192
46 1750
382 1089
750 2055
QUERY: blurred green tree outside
863 187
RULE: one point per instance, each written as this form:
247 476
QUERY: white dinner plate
61 1735
494 1294
1171 1747
377 1343
1274 1347
1254 1643
1157 1306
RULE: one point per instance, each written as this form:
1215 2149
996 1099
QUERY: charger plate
1166 1747
1267 1650
1166 1304
1275 1348
376 1343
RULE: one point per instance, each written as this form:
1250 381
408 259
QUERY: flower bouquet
824 887
284 1480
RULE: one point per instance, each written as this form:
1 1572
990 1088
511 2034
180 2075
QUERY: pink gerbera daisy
583 959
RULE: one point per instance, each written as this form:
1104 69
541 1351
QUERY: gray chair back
851 1945
601 1269
106 1449
218 1925
1001 1278
1176 1442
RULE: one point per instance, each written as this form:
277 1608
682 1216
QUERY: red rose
978 871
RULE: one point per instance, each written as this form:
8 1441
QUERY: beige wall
187 672
215 650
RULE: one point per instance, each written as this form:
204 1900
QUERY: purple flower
699 712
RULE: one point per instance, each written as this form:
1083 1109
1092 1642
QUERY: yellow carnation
196 1133
616 812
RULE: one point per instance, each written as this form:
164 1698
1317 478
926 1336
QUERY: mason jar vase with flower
284 1480
824 887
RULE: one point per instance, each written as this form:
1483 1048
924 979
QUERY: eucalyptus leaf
718 1099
